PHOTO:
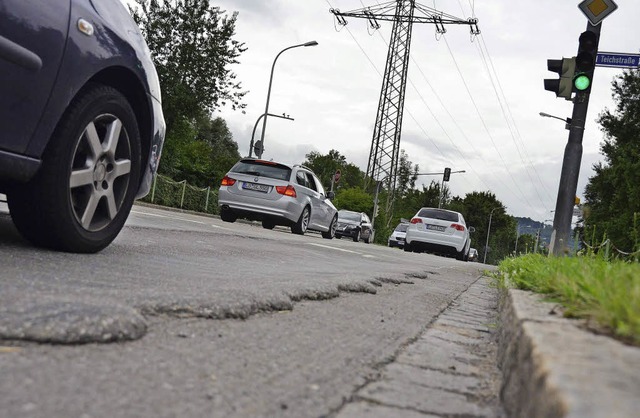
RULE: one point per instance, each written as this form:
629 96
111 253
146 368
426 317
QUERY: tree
223 149
325 166
192 46
200 152
355 199
612 194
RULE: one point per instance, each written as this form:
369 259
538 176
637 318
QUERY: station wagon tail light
286 190
458 227
227 181
416 221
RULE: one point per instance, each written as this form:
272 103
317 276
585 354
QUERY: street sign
597 10
336 177
618 60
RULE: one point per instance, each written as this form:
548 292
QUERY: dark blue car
81 125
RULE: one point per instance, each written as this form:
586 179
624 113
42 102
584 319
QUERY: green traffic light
581 82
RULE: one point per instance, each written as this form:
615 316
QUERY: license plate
255 186
436 228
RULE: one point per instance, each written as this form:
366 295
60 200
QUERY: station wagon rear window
262 169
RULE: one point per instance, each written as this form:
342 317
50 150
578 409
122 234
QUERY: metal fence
179 194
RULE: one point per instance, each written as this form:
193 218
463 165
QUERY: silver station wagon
277 194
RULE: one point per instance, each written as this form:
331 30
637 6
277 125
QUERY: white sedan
439 231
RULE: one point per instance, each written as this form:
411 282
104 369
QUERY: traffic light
585 61
447 174
563 86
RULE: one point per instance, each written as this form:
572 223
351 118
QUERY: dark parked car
81 125
355 225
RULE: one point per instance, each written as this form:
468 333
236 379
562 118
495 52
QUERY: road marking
342 249
189 220
335 248
170 217
149 214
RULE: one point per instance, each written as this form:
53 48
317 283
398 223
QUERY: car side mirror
331 195
472 229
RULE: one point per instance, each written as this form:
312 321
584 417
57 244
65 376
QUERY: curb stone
552 367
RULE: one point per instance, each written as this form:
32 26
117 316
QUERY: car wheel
268 225
227 215
332 229
356 237
301 226
84 190
407 247
460 255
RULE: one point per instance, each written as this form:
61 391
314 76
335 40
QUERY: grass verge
605 293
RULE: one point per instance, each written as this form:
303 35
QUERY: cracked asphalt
188 316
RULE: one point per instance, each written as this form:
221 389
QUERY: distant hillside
527 226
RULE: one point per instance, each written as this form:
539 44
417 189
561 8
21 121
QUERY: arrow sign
618 60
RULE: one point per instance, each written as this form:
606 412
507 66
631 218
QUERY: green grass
604 292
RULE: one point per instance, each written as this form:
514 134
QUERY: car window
349 216
263 168
301 179
402 227
319 187
311 183
443 215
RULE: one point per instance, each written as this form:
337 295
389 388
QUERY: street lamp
488 231
567 120
266 108
259 146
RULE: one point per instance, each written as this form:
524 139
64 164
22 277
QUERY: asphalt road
187 316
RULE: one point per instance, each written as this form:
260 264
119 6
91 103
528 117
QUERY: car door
32 41
321 204
366 225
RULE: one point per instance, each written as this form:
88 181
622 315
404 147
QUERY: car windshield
263 169
349 216
402 227
443 215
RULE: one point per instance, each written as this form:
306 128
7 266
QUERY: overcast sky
453 117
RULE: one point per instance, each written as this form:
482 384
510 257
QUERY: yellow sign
597 10
577 201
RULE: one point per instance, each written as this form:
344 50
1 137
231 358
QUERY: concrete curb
554 367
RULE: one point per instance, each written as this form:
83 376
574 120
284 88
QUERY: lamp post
566 120
488 231
266 108
283 116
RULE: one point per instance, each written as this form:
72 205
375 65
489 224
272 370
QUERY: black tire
268 224
82 195
301 226
227 215
356 237
407 247
332 229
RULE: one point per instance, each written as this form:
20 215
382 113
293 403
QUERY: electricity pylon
385 146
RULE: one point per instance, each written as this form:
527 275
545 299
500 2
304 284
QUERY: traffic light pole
570 169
